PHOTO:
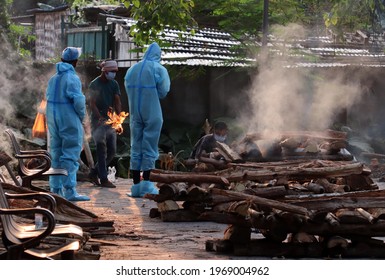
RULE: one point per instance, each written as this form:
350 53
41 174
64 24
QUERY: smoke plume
285 98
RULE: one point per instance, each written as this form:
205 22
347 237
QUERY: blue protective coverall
65 112
146 83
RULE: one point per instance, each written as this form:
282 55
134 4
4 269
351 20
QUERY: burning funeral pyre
305 197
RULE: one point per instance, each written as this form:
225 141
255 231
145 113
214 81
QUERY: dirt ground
139 237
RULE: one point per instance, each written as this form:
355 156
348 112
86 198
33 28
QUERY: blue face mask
220 138
110 75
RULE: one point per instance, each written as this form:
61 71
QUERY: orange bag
39 129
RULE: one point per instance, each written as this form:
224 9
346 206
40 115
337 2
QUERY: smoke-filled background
22 87
283 98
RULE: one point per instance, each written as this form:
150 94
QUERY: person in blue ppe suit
65 112
146 83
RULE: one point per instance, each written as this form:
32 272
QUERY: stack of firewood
298 207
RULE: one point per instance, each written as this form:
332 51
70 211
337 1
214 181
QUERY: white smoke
285 98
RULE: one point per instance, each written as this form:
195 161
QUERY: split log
366 215
175 191
330 187
330 204
167 205
264 202
237 207
360 182
227 152
237 234
224 218
377 213
302 237
187 177
180 215
315 188
271 249
332 219
336 171
270 192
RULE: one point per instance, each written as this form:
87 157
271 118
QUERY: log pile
298 208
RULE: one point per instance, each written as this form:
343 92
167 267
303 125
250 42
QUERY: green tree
153 16
4 14
350 15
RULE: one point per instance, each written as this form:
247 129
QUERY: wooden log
302 237
366 215
298 173
237 234
264 202
377 213
315 188
187 177
223 218
167 205
195 193
180 215
219 246
237 207
268 192
330 187
360 182
227 152
272 249
332 219
333 203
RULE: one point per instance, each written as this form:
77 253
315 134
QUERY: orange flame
116 120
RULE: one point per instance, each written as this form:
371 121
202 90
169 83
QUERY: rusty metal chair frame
28 174
22 240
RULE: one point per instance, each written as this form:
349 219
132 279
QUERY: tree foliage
153 16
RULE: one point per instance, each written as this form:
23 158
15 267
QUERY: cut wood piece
377 213
180 215
268 192
195 193
332 219
330 187
332 203
361 182
228 153
347 216
315 188
219 246
193 178
271 249
175 191
240 207
237 234
223 218
167 205
263 201
337 241
300 173
302 237
366 215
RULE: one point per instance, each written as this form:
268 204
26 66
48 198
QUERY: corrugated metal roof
205 47
211 47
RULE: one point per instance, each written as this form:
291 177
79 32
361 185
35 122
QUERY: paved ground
139 237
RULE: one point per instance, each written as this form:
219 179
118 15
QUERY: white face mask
220 138
110 75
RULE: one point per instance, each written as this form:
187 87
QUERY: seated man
204 150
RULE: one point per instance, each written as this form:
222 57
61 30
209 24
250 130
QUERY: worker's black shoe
106 184
93 178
